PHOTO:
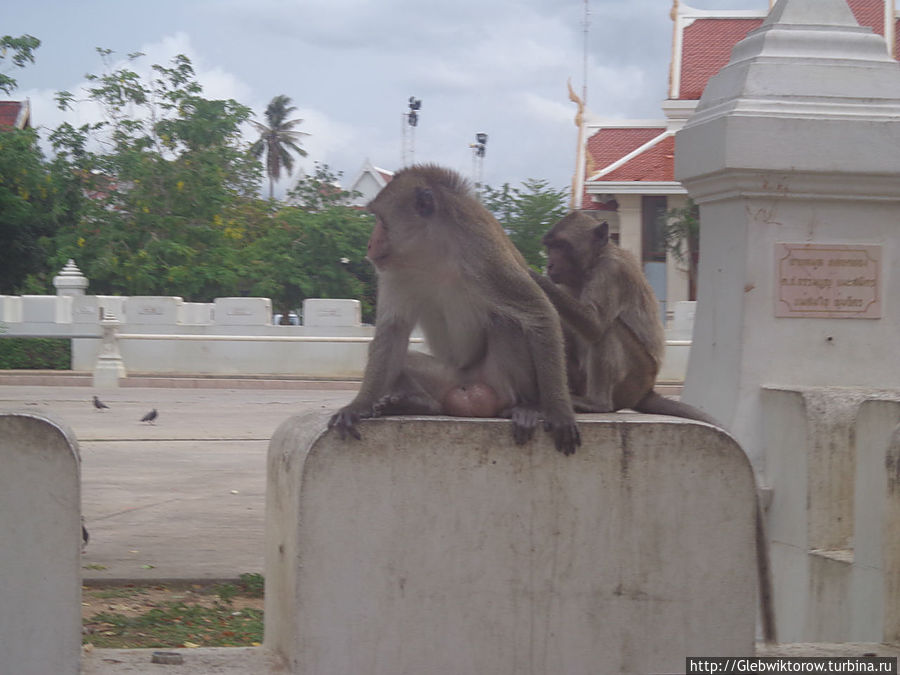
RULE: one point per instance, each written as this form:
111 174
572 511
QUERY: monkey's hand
345 421
565 432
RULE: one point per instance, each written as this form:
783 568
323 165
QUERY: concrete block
40 554
86 309
328 312
873 530
10 308
39 308
196 313
436 545
113 306
829 521
152 310
243 311
892 542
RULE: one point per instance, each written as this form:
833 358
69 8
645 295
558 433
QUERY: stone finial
70 280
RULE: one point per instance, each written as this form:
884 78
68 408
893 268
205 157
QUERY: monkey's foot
565 432
405 403
525 420
582 404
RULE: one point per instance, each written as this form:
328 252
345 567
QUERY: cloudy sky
496 66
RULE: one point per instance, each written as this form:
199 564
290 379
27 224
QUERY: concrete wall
302 359
833 536
40 547
436 545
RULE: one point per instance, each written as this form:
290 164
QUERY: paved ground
183 498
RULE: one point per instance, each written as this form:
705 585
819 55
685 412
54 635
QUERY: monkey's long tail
654 404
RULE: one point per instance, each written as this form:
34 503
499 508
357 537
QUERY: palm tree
278 139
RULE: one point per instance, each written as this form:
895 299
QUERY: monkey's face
378 250
561 267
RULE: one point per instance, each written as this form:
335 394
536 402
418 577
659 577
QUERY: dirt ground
136 600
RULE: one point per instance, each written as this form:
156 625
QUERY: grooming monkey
615 342
444 263
611 316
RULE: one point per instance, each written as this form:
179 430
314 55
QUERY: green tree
278 140
172 172
20 50
29 212
527 213
314 250
682 234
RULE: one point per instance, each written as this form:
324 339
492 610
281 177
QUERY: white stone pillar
792 157
110 367
70 280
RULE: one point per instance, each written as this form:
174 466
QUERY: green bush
35 353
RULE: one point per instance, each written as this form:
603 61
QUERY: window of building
653 213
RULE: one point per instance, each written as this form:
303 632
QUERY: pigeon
150 416
98 404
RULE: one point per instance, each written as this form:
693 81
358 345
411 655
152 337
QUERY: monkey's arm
387 355
589 321
545 340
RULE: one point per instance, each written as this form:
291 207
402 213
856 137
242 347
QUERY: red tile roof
707 49
655 164
869 13
14 114
609 145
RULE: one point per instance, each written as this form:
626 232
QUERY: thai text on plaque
828 281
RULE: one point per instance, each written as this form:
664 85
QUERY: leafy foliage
35 353
20 50
526 214
682 234
316 250
29 208
162 195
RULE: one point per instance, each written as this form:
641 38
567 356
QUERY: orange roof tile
655 164
611 144
707 49
869 13
10 112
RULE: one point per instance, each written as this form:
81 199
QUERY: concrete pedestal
436 545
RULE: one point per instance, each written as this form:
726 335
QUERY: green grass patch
135 617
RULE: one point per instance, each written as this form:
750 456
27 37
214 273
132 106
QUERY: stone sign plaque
828 281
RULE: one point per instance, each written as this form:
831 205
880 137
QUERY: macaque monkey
615 341
611 316
444 263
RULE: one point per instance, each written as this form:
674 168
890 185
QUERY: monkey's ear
425 205
601 234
